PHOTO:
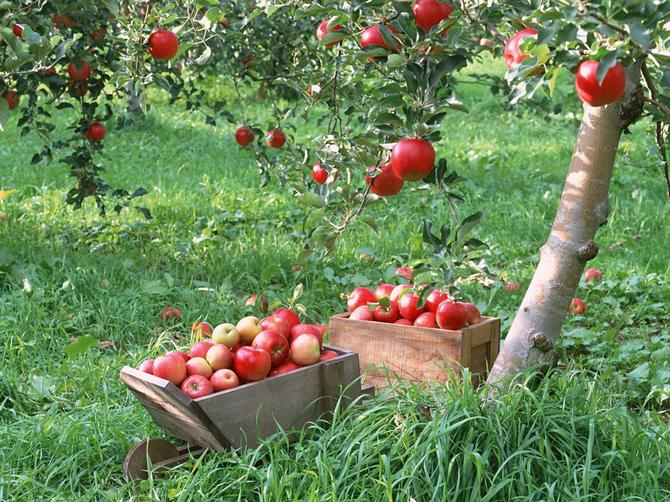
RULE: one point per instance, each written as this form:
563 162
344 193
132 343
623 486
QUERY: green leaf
269 272
311 199
154 287
395 61
605 64
468 224
639 374
80 345
369 221
641 35
4 113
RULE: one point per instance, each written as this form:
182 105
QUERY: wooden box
241 416
390 351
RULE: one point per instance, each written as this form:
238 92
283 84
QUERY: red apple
275 344
197 386
319 174
426 320
323 30
147 366
200 349
219 357
594 94
434 299
202 329
254 300
95 132
169 313
60 20
362 313
170 367
288 315
179 353
372 36
226 334
244 136
386 182
577 306
429 13
405 272
512 53
328 354
275 138
473 316
593 274
384 290
163 44
12 99
252 364
224 379
513 287
404 322
400 289
359 297
79 71
408 306
198 366
278 324
305 350
412 158
301 329
451 315
287 367
17 29
248 327
322 329
390 314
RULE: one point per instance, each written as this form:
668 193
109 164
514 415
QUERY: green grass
589 432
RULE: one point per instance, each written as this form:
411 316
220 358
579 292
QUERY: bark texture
583 208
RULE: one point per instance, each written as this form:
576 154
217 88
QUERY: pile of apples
237 354
400 305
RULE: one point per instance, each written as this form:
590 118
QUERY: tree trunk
583 208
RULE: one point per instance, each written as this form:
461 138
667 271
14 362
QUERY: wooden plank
173 410
466 350
494 347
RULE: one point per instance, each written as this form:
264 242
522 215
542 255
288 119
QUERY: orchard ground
596 429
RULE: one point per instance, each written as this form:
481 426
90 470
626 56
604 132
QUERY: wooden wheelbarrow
238 417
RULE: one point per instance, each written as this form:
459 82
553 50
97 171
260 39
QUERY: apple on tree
17 29
275 138
79 71
386 182
319 174
593 93
412 159
163 44
12 99
244 136
429 13
372 37
95 132
322 31
512 52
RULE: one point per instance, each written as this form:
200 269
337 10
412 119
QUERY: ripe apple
593 274
12 99
323 30
404 322
513 287
278 324
202 329
319 174
305 350
287 367
97 35
594 94
300 329
400 289
196 386
412 158
512 53
451 315
219 357
405 272
78 89
288 315
577 306
163 44
321 328
60 20
360 297
390 314
79 71
429 13
147 366
181 354
434 299
473 316
224 379
244 136
252 364
328 354
384 290
274 343
275 138
226 334
17 29
386 182
372 36
262 302
426 320
95 132
170 367
362 313
200 349
248 327
408 306
169 313
198 366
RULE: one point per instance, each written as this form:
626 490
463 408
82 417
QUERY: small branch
488 24
660 136
350 217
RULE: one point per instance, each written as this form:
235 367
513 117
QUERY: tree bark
583 208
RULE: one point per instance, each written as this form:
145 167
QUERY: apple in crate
226 334
386 314
197 386
289 316
408 306
274 343
400 289
219 357
472 312
360 297
200 349
362 313
309 329
252 364
328 354
404 322
278 324
305 350
384 290
224 379
170 367
451 315
198 366
434 299
179 353
147 366
426 320
287 367
248 327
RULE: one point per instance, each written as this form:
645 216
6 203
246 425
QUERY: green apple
248 327
226 334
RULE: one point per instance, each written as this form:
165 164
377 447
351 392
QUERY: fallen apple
202 329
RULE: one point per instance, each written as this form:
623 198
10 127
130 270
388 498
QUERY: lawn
595 429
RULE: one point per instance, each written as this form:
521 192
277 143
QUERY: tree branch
660 136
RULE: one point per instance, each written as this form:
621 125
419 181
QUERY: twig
488 24
660 137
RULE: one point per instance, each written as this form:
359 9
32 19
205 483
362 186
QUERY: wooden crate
390 351
239 417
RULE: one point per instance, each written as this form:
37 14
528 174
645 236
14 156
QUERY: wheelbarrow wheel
135 467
